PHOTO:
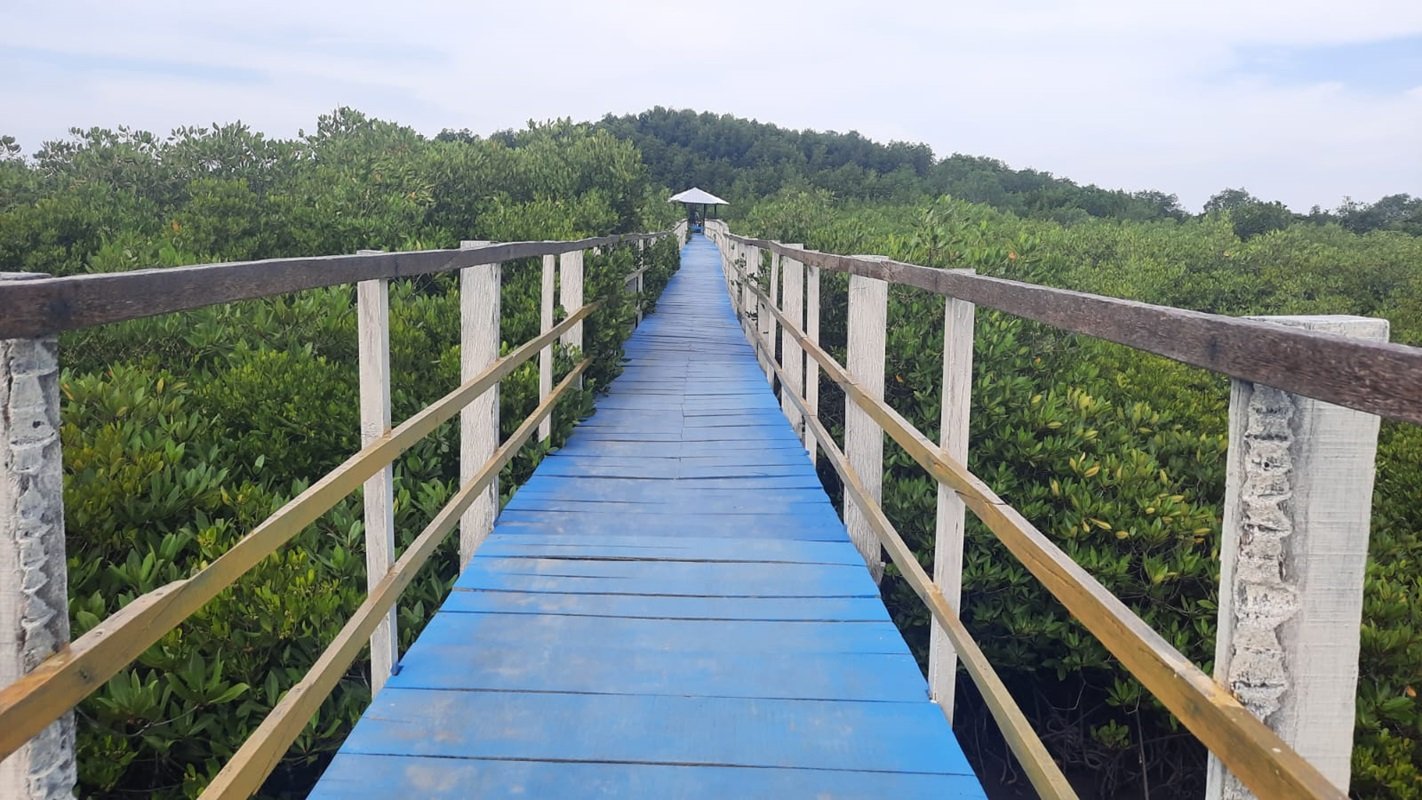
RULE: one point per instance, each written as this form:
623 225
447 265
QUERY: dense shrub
1119 458
183 432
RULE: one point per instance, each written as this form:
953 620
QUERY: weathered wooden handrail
65 678
1377 377
1207 709
1254 753
1042 771
259 755
51 305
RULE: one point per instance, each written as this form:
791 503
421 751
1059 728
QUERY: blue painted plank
670 607
372 777
537 634
691 579
591 666
655 729
852 609
672 549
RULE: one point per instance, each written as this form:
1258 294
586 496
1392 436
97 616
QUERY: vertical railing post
765 321
792 301
948 534
774 334
863 438
373 353
479 302
641 273
812 367
1293 552
34 601
749 275
545 356
570 291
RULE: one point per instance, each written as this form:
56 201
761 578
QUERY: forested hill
742 160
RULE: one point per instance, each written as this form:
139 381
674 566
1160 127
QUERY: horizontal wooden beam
1377 377
64 679
1256 754
49 305
249 767
1042 771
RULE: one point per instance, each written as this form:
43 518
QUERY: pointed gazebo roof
695 195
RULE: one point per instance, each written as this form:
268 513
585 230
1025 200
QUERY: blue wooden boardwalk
669 608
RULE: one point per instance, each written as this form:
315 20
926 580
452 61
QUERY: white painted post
479 301
774 291
748 301
34 601
948 535
570 290
641 273
1293 551
373 333
766 323
792 357
730 267
812 367
863 439
545 356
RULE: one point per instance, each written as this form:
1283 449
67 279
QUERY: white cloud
1128 94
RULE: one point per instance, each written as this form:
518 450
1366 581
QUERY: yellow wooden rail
64 679
259 755
1042 771
1256 754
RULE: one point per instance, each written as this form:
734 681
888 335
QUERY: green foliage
1118 457
183 432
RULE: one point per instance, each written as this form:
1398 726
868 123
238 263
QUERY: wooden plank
546 640
844 609
885 737
666 578
593 665
951 514
249 767
863 440
1046 777
373 332
1266 764
480 288
1377 377
379 777
67 677
49 305
657 548
536 634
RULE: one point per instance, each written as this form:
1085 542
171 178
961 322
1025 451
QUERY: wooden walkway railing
36 308
1317 563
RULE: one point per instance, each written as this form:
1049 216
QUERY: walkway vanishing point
669 608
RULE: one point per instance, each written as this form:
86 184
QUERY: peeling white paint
34 616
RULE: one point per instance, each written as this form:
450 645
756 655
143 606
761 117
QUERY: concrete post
1293 551
34 596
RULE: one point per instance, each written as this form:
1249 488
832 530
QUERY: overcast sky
1296 100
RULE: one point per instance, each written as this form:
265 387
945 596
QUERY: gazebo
692 198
